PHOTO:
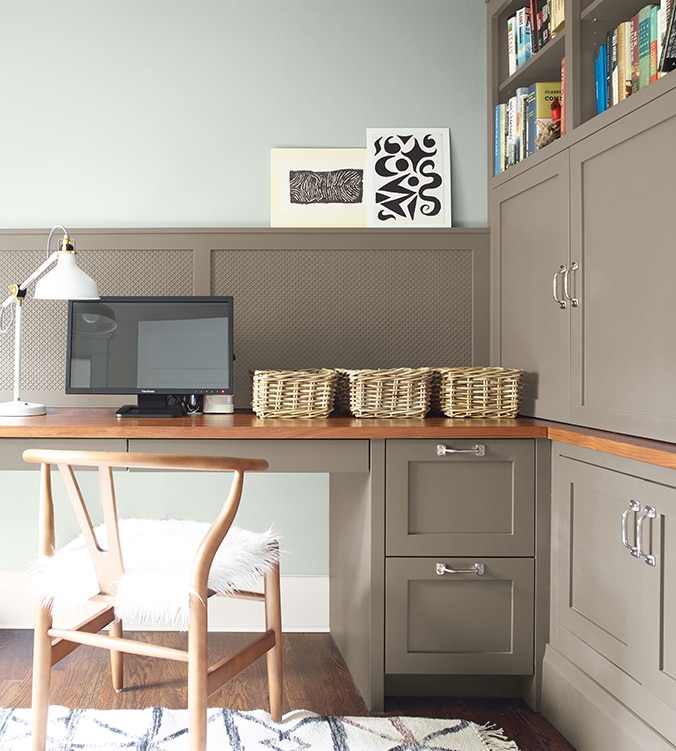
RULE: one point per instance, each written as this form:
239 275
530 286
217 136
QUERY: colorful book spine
563 96
623 60
633 40
521 123
499 157
523 50
601 78
613 81
653 43
511 44
644 46
557 16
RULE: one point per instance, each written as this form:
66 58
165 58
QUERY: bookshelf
586 25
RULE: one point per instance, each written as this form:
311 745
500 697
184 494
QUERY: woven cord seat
158 572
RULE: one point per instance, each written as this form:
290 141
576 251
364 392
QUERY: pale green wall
161 113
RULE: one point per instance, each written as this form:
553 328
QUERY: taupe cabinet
584 266
613 620
460 557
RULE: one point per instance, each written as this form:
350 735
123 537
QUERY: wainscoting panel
303 298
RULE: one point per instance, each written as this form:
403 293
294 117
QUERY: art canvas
317 188
409 177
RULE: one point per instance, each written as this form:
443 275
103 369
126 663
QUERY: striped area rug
159 729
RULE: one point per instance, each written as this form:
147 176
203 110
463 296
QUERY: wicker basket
479 392
293 393
396 392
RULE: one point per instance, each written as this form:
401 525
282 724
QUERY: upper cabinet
570 60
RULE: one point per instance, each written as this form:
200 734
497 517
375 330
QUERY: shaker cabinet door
477 500
462 623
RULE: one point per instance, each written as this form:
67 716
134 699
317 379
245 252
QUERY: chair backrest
108 561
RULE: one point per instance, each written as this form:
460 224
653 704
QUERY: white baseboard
305 606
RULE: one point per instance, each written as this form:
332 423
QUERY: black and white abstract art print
409 177
318 188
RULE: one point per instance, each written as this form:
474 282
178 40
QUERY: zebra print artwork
410 173
333 186
318 187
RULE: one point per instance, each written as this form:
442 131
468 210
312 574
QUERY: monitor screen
166 350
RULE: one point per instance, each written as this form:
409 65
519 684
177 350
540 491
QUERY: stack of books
527 122
530 28
635 54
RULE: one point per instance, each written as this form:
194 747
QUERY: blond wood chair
219 557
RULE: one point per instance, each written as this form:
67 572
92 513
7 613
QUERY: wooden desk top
102 423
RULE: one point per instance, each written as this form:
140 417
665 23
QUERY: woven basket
293 393
396 392
479 392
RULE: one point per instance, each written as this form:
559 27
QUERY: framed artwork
317 188
409 177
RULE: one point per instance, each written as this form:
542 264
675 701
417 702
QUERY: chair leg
273 621
197 674
42 668
116 658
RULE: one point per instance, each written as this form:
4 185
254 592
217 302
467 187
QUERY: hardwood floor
315 679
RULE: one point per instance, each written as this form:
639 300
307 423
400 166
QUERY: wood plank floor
315 678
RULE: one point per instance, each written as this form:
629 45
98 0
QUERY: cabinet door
599 587
530 244
622 217
463 503
459 623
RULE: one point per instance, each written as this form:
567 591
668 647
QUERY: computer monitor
168 351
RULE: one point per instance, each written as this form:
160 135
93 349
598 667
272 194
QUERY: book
511 44
668 58
523 50
601 78
510 133
543 23
499 156
653 43
663 14
521 123
613 82
644 46
563 96
633 42
557 17
541 128
624 60
534 35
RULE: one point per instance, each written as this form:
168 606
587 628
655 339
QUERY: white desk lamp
65 282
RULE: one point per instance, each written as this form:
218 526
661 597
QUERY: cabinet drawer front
459 623
460 503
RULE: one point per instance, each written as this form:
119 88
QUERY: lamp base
18 408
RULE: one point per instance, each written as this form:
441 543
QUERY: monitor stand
150 405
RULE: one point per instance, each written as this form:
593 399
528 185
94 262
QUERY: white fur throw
157 557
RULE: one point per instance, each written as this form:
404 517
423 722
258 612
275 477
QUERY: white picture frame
318 187
409 177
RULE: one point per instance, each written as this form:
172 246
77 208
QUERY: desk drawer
459 623
466 503
282 455
12 448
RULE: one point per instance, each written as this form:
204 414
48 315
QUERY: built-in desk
354 452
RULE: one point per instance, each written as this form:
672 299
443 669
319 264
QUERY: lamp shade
66 281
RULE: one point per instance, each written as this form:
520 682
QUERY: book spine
621 62
634 54
662 25
601 78
531 118
511 44
668 59
613 83
653 43
563 96
522 37
534 33
644 47
497 139
557 18
543 23
521 123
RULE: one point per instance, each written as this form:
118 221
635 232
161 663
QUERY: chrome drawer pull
574 266
478 569
634 506
648 513
478 450
563 270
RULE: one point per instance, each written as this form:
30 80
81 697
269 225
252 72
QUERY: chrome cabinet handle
634 507
563 271
574 266
478 450
478 569
648 513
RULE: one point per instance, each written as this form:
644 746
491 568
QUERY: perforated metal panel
43 351
346 308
